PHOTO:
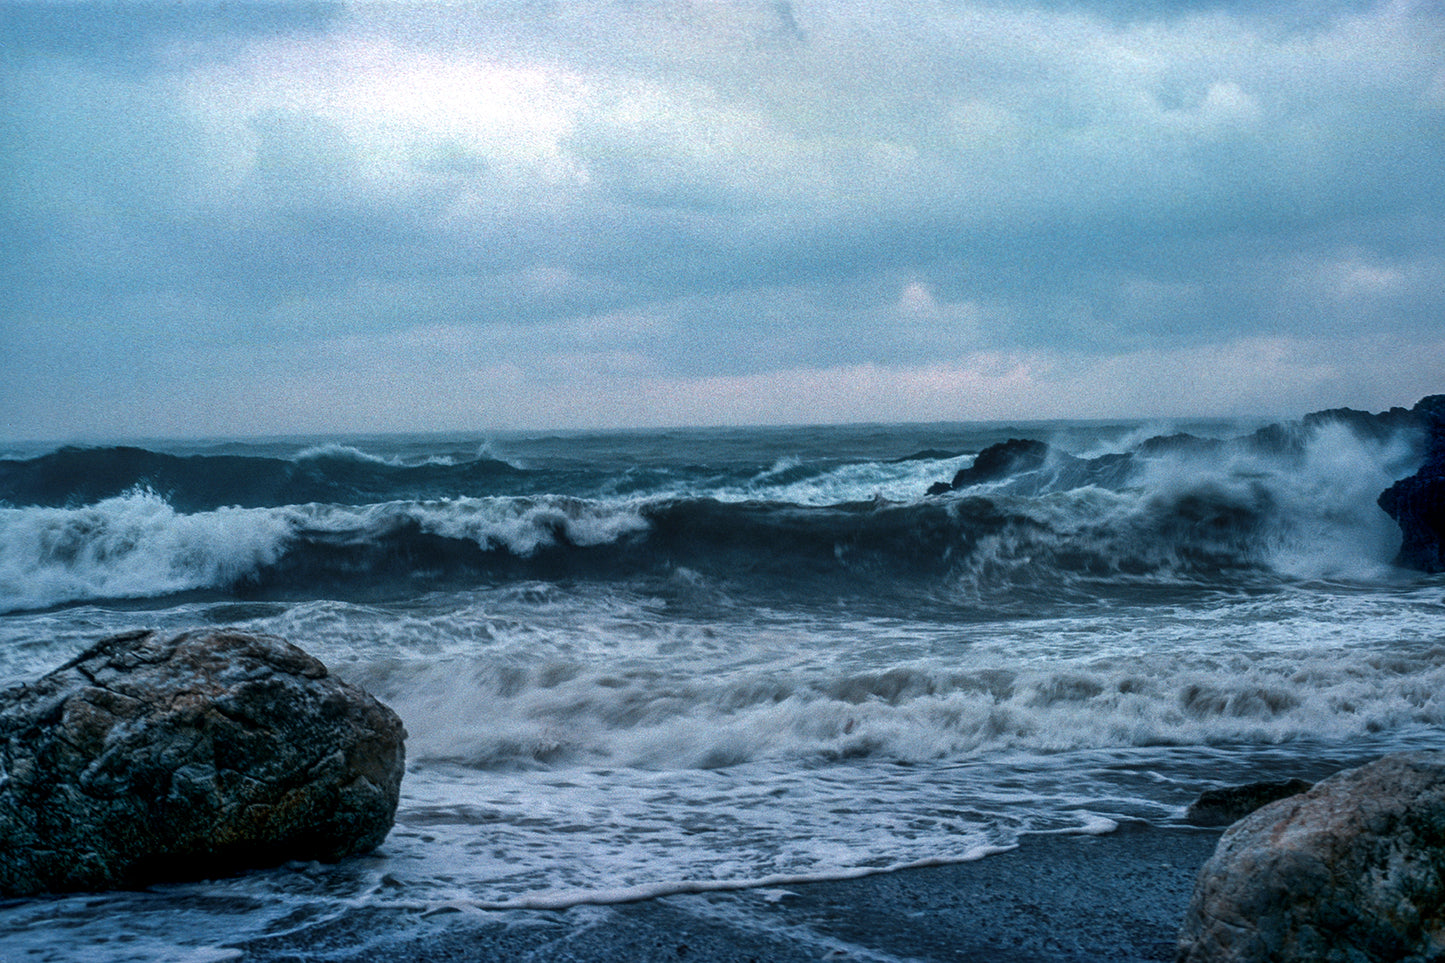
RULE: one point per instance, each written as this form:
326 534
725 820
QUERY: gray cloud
655 199
138 37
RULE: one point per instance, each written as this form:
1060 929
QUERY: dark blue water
646 662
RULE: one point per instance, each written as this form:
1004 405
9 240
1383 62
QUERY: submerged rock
1352 870
1220 807
152 757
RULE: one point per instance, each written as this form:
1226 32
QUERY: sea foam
131 546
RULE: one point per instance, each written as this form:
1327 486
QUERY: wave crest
131 546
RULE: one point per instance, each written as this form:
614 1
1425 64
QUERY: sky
242 219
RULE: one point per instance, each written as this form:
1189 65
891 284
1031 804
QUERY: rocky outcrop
152 757
998 461
1220 807
1352 870
1019 457
1417 503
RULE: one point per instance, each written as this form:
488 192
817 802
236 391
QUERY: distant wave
331 473
336 451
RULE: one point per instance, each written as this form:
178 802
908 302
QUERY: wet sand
1119 897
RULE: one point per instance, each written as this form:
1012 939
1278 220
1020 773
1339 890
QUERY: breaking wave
338 521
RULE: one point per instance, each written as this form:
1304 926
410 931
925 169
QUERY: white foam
646 891
338 451
593 683
523 525
902 481
134 545
1333 526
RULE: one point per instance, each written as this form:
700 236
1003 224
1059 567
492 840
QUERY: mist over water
653 662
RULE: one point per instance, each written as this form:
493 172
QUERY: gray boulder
150 758
1351 871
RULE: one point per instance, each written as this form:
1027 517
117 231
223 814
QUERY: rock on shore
152 757
1221 807
1352 871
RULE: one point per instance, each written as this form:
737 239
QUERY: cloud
139 37
711 195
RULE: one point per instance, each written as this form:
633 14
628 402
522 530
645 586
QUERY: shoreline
1119 896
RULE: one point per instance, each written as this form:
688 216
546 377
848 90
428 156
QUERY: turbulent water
668 661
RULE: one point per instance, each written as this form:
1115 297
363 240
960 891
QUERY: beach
1118 897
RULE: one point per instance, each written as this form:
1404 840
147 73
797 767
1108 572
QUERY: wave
1178 520
495 713
333 473
1022 521
132 546
137 545
335 451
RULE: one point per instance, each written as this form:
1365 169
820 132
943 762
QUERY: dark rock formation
1384 425
999 461
1352 870
1417 503
150 757
1220 807
1012 457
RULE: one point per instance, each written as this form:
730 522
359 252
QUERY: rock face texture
1417 503
1352 870
150 757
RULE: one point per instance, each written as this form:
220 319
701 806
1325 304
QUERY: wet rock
1352 870
152 757
1002 460
1417 503
1220 807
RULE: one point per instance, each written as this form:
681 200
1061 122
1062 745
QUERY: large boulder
152 757
1352 871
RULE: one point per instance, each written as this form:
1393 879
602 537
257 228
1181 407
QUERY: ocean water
644 663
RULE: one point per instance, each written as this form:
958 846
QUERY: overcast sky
243 219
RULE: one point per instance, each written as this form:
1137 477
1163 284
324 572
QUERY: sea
641 663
